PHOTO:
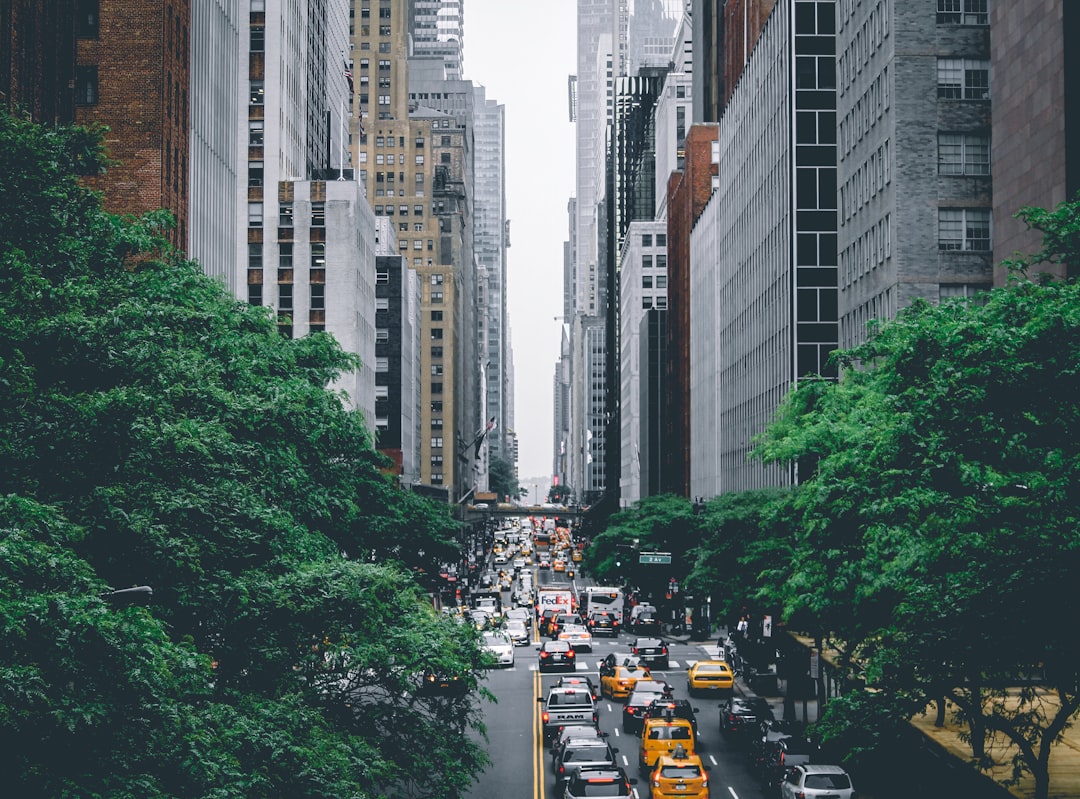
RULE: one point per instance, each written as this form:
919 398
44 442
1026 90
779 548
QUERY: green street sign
654 557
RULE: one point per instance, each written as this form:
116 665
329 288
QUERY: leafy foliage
156 431
938 537
502 480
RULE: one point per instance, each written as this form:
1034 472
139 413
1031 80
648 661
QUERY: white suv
810 781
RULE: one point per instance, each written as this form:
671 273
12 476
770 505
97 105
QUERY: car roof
817 768
647 640
561 646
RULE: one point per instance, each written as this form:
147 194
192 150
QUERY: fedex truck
559 599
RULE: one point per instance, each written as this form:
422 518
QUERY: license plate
680 787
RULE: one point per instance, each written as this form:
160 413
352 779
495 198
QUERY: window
661 239
661 262
256 93
285 215
436 388
436 297
382 364
646 281
255 214
255 132
382 335
436 424
88 19
646 262
318 255
436 352
646 240
963 79
258 38
86 85
436 370
436 280
419 160
436 316
962 12
963 154
285 255
436 406
255 174
661 281
964 229
436 442
318 215
436 334
382 303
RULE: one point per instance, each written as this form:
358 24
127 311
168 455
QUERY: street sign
654 557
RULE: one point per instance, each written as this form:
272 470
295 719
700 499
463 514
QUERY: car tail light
544 655
629 709
663 650
545 716
596 718
570 654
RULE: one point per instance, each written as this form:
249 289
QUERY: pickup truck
564 706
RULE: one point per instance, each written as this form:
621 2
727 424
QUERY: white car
498 645
518 632
810 781
577 635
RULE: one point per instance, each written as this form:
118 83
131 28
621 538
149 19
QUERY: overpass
482 511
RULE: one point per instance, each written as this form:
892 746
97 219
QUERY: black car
645 623
679 708
764 742
557 655
741 717
602 623
599 781
579 753
652 651
445 684
640 698
793 750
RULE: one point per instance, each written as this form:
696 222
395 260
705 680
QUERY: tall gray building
437 30
914 172
763 252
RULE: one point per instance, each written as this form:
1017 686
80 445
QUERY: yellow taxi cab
620 683
559 565
710 675
576 556
680 773
661 735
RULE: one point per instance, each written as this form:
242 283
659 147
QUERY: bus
541 540
602 597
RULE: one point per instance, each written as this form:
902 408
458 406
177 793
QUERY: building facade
763 251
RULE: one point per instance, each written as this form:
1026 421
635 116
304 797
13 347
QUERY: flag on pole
483 434
348 74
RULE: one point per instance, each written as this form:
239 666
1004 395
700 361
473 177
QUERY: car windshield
570 698
680 772
712 668
828 781
604 786
665 733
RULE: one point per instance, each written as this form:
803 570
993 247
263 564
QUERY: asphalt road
522 765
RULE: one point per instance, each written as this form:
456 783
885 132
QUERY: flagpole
341 163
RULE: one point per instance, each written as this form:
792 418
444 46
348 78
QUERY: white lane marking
713 760
732 791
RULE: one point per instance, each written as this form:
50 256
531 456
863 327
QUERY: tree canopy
937 538
156 431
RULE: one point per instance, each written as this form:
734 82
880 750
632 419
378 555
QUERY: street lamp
126 597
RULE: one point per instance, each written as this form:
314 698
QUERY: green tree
938 537
157 431
502 480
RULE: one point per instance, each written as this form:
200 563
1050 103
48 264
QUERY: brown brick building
688 192
37 59
132 74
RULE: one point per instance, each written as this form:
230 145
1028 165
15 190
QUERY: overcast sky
522 52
